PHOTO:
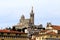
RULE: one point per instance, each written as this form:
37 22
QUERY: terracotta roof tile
44 30
55 27
51 33
48 32
11 31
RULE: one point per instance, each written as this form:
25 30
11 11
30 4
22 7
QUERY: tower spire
32 9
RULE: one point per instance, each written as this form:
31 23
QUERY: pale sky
44 10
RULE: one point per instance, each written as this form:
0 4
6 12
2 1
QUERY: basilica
25 23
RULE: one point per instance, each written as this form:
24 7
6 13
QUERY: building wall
13 36
56 31
46 37
8 38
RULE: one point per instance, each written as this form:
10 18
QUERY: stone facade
25 22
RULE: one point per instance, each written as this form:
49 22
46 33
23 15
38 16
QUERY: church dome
22 17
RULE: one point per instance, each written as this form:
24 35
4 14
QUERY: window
8 33
2 33
17 34
50 35
31 15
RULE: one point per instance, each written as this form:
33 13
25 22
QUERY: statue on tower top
32 10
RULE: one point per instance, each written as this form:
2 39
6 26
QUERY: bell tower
32 17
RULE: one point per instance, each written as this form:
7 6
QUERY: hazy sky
44 10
